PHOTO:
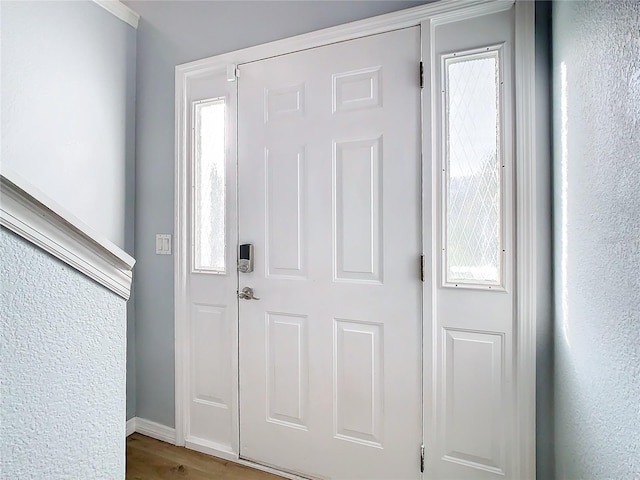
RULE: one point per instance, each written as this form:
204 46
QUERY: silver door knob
247 294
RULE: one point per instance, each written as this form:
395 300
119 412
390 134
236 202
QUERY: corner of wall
545 455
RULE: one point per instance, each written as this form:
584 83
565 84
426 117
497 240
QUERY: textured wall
596 60
68 116
171 33
63 370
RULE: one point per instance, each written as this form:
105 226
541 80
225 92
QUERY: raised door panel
359 382
287 369
285 102
211 382
357 90
473 427
286 235
357 211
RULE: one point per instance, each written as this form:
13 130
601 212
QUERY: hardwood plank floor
150 459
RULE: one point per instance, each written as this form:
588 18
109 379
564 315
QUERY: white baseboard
131 426
156 430
168 434
151 429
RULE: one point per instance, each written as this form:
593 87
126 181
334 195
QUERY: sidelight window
208 186
473 169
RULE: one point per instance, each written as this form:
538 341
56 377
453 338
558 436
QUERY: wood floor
149 459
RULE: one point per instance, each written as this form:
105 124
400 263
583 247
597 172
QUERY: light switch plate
163 244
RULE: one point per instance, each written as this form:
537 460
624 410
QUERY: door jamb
526 251
525 181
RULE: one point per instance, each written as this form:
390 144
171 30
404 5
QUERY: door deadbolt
245 258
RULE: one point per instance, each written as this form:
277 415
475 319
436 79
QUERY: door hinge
421 75
421 458
233 72
422 268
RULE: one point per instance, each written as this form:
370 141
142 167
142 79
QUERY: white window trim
501 55
195 104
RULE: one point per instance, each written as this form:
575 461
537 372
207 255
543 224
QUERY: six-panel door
329 195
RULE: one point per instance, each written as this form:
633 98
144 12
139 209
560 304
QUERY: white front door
329 195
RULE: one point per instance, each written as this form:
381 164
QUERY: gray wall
171 33
67 115
68 85
544 368
597 239
63 369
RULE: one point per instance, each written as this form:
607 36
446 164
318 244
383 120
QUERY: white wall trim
29 213
130 426
180 213
167 434
526 261
120 10
155 430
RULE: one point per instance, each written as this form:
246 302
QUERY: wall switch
163 244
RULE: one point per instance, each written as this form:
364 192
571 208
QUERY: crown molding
120 10
30 214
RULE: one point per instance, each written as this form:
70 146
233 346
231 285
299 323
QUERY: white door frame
525 183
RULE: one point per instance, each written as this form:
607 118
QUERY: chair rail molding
30 214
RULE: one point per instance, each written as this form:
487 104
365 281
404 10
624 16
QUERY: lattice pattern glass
473 164
209 202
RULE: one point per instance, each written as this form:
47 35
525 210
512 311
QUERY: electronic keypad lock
245 258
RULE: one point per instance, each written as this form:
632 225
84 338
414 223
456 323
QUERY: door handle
247 294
